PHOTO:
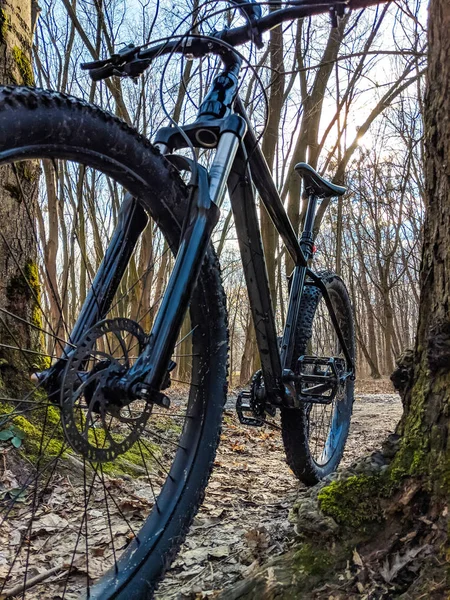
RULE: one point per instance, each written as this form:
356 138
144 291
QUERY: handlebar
197 46
132 61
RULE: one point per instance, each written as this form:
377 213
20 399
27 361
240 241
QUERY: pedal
243 405
318 378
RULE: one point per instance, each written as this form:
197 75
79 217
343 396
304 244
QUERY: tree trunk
268 232
368 310
388 323
426 423
307 139
248 356
19 284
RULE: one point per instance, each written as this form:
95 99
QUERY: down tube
250 245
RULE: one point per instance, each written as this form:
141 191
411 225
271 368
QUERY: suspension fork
148 373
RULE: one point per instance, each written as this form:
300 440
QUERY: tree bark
426 423
269 144
19 284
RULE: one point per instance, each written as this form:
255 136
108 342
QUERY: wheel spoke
37 327
163 438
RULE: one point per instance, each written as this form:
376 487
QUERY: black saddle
315 184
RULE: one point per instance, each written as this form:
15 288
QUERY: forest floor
244 518
242 523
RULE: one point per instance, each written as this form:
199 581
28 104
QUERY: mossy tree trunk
19 282
425 427
17 23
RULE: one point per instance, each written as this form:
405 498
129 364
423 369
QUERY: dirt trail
244 518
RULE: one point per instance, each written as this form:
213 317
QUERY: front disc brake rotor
97 424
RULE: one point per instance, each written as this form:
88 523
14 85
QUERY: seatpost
307 237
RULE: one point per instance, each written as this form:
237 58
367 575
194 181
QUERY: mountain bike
113 440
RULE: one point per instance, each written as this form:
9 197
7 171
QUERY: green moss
32 276
138 458
25 288
139 455
28 170
37 445
26 283
356 502
312 560
413 457
353 502
5 408
167 425
34 443
5 24
24 65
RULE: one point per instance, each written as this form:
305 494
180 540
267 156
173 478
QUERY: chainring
258 400
88 413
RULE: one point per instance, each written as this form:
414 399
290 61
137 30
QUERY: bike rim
327 422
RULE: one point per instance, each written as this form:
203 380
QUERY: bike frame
222 124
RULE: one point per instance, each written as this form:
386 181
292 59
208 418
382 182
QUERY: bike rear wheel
314 435
99 496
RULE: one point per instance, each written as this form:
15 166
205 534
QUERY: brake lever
129 51
118 59
135 68
255 34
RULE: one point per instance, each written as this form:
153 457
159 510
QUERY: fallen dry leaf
357 559
391 569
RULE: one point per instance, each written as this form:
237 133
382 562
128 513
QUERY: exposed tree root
361 534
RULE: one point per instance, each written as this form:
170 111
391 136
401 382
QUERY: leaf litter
243 520
247 502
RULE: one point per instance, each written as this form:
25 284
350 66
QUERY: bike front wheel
97 493
314 435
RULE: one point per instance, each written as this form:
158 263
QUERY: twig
21 587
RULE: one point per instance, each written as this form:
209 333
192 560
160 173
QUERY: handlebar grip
102 72
94 64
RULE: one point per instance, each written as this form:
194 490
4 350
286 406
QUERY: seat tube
298 282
